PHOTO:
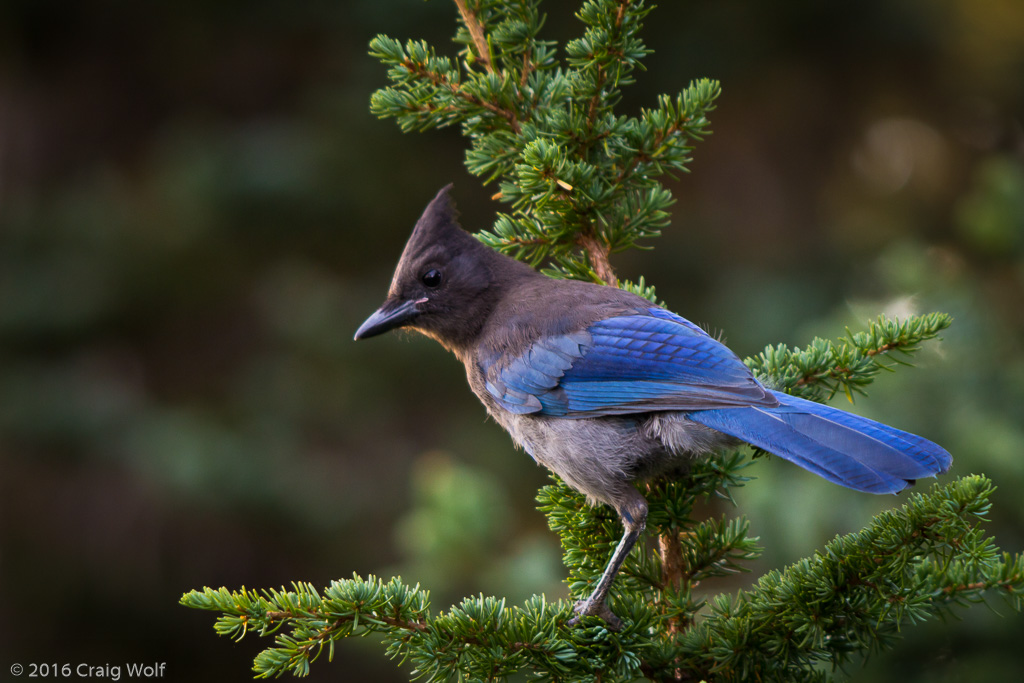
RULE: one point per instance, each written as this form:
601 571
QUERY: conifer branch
860 588
476 30
912 563
422 70
825 368
581 181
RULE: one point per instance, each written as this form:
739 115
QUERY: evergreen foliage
824 368
582 183
850 598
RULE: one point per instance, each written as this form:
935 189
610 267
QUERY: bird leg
595 604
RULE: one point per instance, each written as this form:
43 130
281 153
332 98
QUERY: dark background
197 210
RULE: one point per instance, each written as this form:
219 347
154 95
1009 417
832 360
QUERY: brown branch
884 348
336 623
671 551
597 252
598 88
1006 585
527 68
476 30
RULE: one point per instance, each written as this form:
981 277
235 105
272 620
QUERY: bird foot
594 608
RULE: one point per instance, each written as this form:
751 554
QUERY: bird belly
602 457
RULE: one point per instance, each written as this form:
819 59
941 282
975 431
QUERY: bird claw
592 608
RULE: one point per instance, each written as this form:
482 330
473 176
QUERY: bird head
444 285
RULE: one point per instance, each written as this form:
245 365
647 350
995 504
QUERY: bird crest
437 224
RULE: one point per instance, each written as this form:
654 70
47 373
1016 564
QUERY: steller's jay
606 389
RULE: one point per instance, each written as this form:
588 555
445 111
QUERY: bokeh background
197 210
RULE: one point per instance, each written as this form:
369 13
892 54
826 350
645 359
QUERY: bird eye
432 278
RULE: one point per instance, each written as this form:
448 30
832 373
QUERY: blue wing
626 364
642 363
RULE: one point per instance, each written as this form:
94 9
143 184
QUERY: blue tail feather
844 448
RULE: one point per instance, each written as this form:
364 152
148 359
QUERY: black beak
388 317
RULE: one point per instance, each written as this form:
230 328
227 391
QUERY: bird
607 390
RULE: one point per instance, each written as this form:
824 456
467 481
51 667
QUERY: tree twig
597 252
671 551
476 30
456 89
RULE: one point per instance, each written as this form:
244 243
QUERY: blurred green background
197 210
